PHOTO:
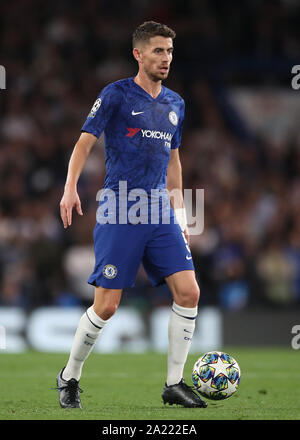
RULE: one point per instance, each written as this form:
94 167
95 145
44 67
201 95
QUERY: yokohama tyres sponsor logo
132 131
154 134
157 135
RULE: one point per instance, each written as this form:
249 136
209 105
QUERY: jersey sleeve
102 110
176 139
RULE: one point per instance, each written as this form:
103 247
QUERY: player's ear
137 54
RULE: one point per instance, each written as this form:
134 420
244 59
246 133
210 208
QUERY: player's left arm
174 187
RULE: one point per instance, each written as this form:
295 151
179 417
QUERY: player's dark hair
150 29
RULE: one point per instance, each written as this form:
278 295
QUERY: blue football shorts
121 248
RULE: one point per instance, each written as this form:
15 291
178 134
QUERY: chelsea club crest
110 271
173 118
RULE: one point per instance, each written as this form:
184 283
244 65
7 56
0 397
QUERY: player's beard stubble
157 76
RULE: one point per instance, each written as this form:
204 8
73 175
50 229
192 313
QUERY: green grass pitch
127 386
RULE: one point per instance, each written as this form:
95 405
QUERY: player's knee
109 311
194 296
106 310
106 302
188 296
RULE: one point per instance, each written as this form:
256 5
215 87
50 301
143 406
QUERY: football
216 375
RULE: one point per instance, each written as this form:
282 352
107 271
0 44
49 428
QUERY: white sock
88 330
181 329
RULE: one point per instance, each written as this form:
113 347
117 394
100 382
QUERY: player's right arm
77 161
102 110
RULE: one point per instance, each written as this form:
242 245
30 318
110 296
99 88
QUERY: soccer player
142 122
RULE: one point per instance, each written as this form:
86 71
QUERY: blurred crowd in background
58 56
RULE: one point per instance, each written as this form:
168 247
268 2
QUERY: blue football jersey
139 132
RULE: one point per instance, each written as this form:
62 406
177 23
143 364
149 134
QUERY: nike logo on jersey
185 330
136 113
188 257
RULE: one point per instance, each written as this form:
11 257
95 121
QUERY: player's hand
69 200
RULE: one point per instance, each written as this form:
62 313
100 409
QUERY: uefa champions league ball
216 375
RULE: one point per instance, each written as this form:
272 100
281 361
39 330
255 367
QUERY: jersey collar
159 96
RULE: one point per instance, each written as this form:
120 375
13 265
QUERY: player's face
156 57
